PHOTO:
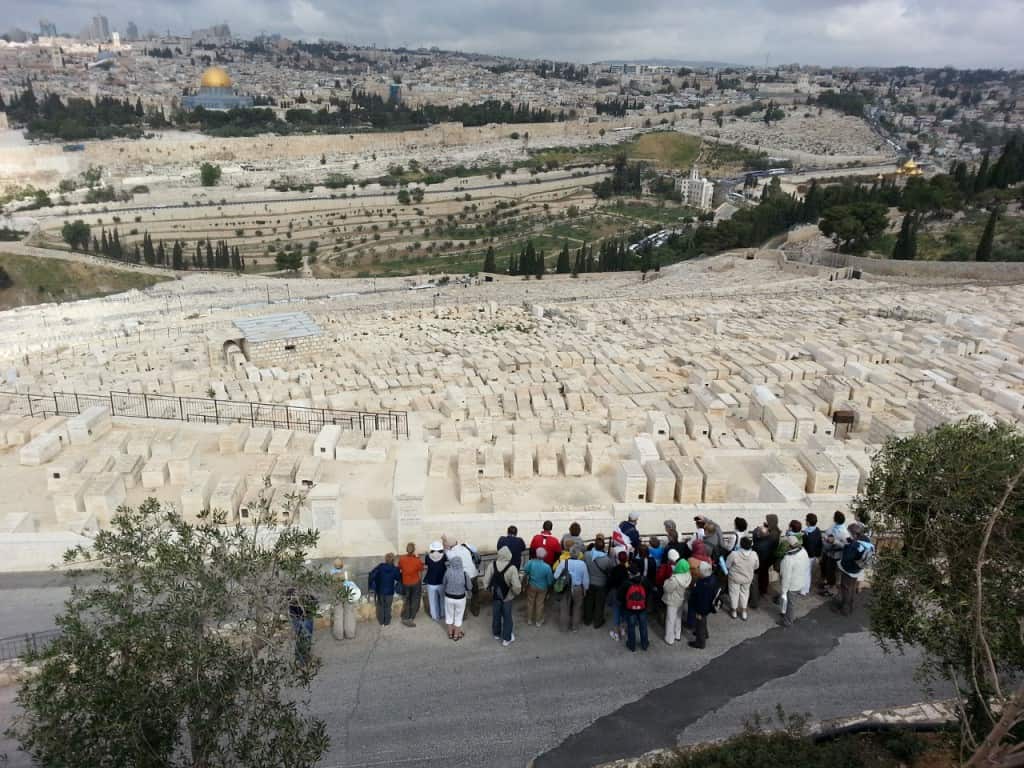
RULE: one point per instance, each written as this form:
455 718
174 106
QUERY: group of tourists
680 582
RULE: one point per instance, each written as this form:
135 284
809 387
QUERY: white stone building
696 190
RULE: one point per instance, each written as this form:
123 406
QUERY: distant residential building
131 32
695 190
47 28
17 35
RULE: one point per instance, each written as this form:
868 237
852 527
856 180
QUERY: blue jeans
636 619
303 638
501 619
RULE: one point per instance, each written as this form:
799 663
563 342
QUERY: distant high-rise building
47 28
17 35
100 29
395 93
217 33
131 32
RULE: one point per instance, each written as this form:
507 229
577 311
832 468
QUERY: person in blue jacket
383 579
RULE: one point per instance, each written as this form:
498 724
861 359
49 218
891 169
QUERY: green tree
538 267
853 226
953 499
178 652
76 234
489 261
403 196
906 241
563 267
209 174
988 237
289 260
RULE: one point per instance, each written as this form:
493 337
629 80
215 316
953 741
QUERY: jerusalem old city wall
127 156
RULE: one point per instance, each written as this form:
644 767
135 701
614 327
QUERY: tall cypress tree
563 267
489 264
984 252
981 181
901 250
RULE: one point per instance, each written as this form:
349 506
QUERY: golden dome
909 165
215 77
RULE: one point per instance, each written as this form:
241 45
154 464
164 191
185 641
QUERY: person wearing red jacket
548 542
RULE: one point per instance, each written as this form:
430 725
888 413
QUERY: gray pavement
397 696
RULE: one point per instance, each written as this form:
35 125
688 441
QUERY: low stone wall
996 271
926 715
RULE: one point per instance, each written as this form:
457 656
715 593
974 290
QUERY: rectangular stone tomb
195 497
154 474
226 496
129 467
58 473
184 461
284 470
90 425
104 494
630 481
68 504
327 441
689 480
308 473
40 451
322 503
661 482
279 442
232 440
258 440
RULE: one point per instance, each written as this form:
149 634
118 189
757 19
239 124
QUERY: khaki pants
739 595
535 604
570 609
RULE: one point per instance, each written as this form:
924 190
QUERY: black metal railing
205 410
17 646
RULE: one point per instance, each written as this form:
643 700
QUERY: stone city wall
125 155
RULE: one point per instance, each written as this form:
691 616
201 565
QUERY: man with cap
628 527
855 556
436 563
795 577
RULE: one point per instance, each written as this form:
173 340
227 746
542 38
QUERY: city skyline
835 33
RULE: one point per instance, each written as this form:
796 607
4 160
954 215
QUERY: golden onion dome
910 165
215 77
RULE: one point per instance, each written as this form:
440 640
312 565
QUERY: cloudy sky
965 33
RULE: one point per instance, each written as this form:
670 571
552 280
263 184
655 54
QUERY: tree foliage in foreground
182 653
955 498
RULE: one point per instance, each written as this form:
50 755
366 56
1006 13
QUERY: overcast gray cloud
849 32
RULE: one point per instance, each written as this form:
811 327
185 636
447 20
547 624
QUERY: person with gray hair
795 577
539 579
674 544
572 573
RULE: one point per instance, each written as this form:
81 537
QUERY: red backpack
636 598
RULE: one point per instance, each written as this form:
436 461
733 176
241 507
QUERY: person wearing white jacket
795 577
742 564
674 597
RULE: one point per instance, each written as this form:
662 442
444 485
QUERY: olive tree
954 500
179 650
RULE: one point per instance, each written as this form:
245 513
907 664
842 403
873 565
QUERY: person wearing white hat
437 564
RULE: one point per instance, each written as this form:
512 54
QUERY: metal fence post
252 414
181 410
216 412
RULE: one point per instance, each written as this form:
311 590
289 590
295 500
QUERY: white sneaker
512 637
497 637
507 643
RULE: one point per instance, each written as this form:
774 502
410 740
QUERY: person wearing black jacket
815 545
648 569
766 541
702 599
618 576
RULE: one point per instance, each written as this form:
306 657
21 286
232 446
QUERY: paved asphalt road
410 697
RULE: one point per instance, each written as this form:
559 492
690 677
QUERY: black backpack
499 587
